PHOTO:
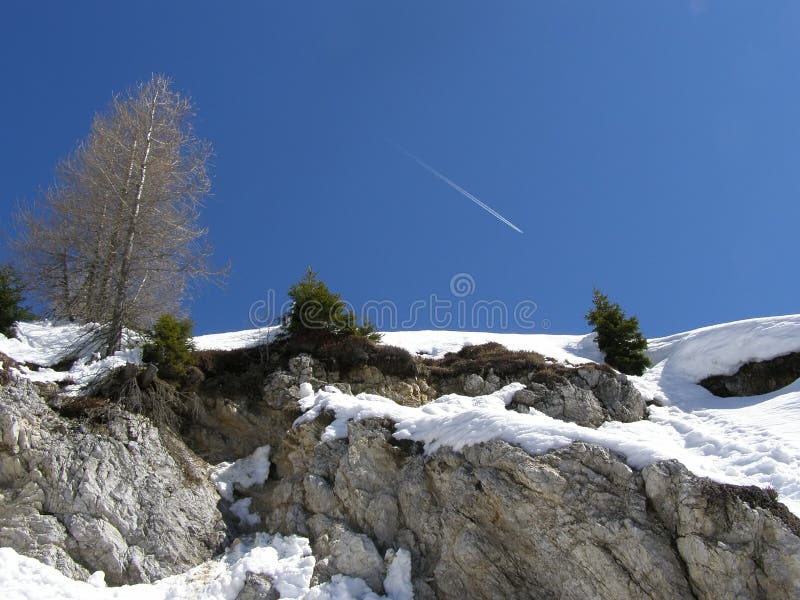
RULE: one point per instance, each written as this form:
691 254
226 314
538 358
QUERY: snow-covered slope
233 340
43 345
683 359
573 349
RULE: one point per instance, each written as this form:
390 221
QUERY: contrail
456 187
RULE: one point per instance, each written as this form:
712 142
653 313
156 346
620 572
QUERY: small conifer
170 346
618 336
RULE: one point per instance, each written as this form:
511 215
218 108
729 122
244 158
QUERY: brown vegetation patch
344 353
479 359
235 373
217 362
84 407
509 365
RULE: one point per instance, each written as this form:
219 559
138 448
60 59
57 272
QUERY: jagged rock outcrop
756 378
588 396
720 530
119 497
493 521
249 400
232 423
409 390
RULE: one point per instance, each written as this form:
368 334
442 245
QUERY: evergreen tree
11 298
316 308
170 346
618 336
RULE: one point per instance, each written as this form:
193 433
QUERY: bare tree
117 238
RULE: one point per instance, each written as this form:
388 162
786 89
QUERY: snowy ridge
722 349
683 359
235 340
572 349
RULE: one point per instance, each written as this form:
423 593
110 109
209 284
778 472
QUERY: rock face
491 521
720 530
125 500
588 397
235 421
756 378
495 522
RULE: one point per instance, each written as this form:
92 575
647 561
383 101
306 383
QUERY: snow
42 345
45 344
235 340
241 509
286 560
398 576
244 473
573 349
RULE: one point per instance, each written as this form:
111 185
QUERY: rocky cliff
489 521
493 521
118 496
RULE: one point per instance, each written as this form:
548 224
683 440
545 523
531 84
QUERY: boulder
756 378
589 397
258 587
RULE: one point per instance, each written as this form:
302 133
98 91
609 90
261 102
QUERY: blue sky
647 148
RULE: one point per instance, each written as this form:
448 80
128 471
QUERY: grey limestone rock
729 538
258 587
493 521
589 397
84 499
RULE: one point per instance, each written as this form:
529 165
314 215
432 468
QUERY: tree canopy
116 238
